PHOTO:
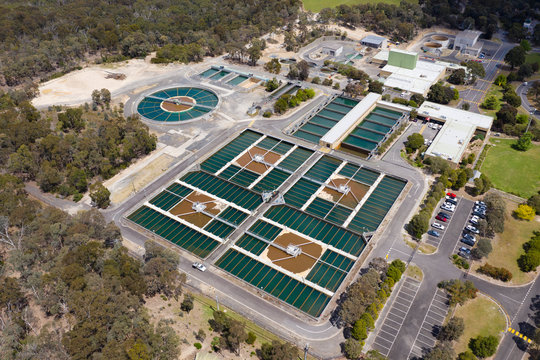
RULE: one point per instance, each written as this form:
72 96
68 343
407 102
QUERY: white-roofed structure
417 80
338 132
458 129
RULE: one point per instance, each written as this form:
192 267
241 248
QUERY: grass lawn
532 58
482 317
513 171
318 5
497 92
508 246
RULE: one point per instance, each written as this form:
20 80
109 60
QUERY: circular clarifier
177 104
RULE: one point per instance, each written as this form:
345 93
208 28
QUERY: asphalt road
475 94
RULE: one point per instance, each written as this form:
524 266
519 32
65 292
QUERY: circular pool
177 104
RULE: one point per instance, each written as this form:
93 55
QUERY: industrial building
467 42
405 71
458 129
374 41
332 50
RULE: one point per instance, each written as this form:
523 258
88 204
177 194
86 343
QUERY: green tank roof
402 59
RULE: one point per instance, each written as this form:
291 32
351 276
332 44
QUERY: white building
458 129
467 42
332 50
406 72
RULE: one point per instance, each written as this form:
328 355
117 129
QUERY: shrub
359 330
267 114
524 142
251 337
525 212
482 249
529 261
467 355
198 345
498 273
187 303
484 346
352 348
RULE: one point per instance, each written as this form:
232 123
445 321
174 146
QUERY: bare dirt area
353 197
137 176
186 326
300 264
173 107
185 211
76 87
248 162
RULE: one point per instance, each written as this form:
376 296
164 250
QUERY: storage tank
441 39
432 47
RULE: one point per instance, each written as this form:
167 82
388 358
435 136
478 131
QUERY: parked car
452 195
441 218
463 254
479 203
472 229
448 207
438 226
445 215
481 215
451 200
467 241
465 249
199 266
470 237
474 220
433 233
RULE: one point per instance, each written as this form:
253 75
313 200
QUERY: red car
452 195
440 218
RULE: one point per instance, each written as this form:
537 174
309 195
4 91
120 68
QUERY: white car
448 207
199 266
474 220
472 229
438 226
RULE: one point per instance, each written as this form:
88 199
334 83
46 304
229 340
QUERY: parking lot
434 240
427 335
459 243
449 240
396 316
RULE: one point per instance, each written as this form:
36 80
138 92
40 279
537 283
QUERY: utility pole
306 348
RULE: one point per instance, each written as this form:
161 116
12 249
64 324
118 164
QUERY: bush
187 303
272 85
352 348
467 355
524 142
460 262
398 100
498 273
198 345
534 202
316 80
359 330
525 212
251 337
452 330
267 114
484 346
414 142
529 261
482 249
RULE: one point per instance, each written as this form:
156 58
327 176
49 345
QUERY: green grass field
508 246
481 317
513 171
318 5
532 58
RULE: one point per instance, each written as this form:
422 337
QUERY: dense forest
65 150
41 37
399 22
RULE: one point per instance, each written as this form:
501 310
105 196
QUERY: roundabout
177 104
